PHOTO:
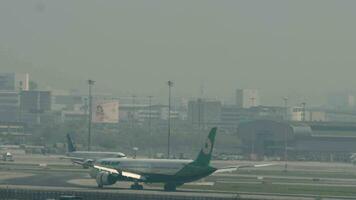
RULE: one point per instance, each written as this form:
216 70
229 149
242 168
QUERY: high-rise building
14 81
9 106
247 98
10 85
34 106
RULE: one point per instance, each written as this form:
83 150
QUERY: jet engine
93 173
105 178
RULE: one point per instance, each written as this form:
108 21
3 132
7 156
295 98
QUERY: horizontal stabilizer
235 168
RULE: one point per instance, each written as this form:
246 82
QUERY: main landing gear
136 186
169 187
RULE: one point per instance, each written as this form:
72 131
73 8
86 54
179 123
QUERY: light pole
135 149
285 99
285 135
149 114
149 122
20 103
303 113
90 98
170 85
199 114
133 111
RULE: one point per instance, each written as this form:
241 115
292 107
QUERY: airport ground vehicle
7 157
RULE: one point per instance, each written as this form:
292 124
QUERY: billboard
105 111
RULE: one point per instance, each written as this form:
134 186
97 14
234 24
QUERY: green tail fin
204 156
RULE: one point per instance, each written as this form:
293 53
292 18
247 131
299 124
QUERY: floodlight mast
90 98
170 85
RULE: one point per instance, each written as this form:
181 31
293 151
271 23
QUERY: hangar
297 141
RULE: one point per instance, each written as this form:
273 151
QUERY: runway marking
91 182
82 182
201 183
11 175
285 183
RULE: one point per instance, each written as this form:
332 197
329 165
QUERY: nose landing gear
136 186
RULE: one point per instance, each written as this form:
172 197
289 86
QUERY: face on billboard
105 111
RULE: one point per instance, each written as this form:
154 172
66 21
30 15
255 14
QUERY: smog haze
300 49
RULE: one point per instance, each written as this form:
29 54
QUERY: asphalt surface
29 171
49 178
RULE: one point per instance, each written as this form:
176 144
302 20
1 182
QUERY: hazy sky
301 49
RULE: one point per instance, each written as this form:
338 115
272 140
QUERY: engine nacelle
93 173
105 178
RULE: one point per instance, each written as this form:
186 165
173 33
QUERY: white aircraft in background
87 158
7 157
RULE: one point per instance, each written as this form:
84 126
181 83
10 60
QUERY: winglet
204 156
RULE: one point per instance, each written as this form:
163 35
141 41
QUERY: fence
37 194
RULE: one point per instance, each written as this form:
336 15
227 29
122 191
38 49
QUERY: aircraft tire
136 187
170 187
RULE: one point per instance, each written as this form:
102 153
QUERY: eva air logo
207 147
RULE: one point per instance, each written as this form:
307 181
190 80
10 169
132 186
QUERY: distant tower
247 98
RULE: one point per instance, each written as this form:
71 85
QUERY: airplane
7 156
171 172
87 158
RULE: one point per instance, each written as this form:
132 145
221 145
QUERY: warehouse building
297 141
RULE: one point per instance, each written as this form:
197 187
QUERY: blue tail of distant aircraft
70 143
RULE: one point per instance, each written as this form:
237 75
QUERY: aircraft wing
127 174
79 161
235 168
72 158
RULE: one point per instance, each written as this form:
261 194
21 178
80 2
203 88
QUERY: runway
57 175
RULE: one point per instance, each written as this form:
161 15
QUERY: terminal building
298 141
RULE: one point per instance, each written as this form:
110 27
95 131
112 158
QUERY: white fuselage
95 154
145 166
